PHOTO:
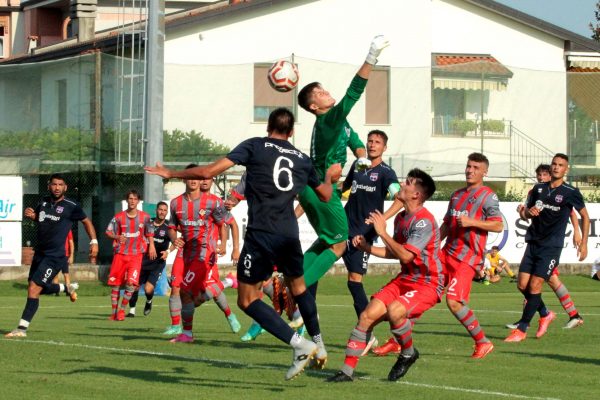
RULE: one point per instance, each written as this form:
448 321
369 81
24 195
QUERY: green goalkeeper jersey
332 133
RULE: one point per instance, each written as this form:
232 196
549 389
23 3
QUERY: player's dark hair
495 248
192 165
423 180
281 120
57 176
133 192
479 157
161 203
379 133
305 95
542 168
562 155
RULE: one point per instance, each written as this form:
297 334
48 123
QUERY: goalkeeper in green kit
331 135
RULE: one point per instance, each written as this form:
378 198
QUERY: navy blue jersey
556 204
54 221
276 173
368 189
161 243
161 237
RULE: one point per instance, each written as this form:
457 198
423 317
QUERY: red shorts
213 282
415 297
460 279
125 269
196 274
177 272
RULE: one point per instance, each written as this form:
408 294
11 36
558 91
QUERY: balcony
448 126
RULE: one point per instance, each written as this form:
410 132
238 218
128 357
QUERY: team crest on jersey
348 130
161 233
59 209
141 225
373 176
472 200
558 198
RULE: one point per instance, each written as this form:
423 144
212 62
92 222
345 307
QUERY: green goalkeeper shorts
327 219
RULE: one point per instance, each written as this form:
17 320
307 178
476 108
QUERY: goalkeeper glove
379 43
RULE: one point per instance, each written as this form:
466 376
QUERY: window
61 90
377 97
2 41
266 99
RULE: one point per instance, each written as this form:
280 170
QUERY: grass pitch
73 352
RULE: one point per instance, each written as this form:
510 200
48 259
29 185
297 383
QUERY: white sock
227 282
296 340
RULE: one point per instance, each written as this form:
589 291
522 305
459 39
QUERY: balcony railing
448 126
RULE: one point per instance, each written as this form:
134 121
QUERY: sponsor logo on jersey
558 198
373 176
541 205
366 188
539 190
421 223
192 223
458 213
43 216
347 130
202 212
59 209
141 225
131 235
284 150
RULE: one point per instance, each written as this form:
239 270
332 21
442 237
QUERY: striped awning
468 72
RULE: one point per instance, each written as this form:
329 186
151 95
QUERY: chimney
83 19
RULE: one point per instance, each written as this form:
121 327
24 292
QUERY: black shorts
45 268
263 250
540 260
355 260
150 276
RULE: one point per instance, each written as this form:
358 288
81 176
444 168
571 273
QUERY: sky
574 15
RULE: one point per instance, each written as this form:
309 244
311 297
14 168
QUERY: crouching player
417 288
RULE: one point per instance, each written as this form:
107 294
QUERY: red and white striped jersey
135 229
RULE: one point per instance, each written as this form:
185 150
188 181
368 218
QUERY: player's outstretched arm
396 206
200 172
377 45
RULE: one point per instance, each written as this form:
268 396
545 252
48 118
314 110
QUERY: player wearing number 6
418 286
276 173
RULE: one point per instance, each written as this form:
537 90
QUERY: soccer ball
283 76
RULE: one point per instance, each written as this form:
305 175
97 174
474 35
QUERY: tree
595 27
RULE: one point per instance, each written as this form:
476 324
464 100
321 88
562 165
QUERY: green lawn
72 352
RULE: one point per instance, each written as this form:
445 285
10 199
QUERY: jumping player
549 206
128 230
277 172
417 288
473 211
54 217
331 135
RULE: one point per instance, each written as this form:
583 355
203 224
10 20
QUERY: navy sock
542 309
357 291
533 303
31 307
149 297
134 298
51 288
308 309
312 289
266 317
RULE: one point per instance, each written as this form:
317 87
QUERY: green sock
318 268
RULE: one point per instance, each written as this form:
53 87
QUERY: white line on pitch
184 357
